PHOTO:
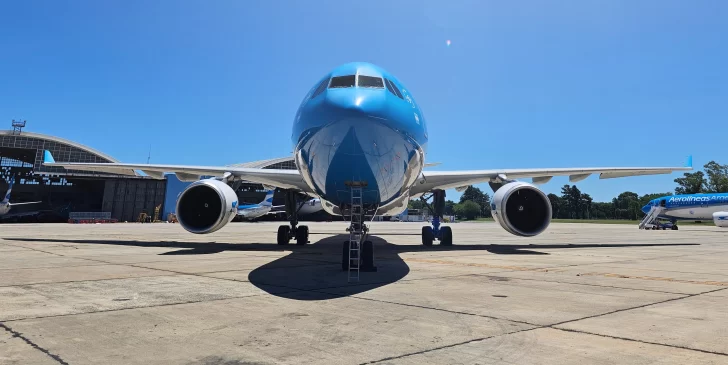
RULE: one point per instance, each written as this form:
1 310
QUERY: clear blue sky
524 84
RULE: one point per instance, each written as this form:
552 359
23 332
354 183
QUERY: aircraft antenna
149 156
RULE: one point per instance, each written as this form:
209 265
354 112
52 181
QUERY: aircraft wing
23 203
287 179
430 180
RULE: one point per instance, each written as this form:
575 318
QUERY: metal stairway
356 233
651 216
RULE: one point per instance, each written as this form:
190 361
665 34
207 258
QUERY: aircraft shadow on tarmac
313 271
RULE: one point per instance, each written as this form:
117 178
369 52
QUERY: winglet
690 162
47 157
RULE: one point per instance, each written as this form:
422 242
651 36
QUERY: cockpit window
342 81
320 88
369 81
393 88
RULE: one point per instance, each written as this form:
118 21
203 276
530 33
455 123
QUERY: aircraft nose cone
354 100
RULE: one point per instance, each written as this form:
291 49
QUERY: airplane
6 205
359 144
252 211
694 207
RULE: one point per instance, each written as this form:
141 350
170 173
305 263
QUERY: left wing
430 180
287 179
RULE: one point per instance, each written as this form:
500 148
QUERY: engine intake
720 219
206 206
521 209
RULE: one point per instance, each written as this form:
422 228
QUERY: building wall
127 198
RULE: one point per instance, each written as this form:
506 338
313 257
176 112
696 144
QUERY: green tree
691 183
468 209
415 204
449 207
585 202
717 177
627 206
479 197
571 196
557 205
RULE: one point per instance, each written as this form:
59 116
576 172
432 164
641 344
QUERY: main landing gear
286 233
430 234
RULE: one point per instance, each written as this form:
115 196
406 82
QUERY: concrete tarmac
155 294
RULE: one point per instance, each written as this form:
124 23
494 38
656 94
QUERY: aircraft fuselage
360 125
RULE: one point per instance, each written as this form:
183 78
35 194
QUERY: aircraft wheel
427 236
284 233
302 235
446 238
674 227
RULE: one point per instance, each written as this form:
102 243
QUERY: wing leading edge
431 180
287 179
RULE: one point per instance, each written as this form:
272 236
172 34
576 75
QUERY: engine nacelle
720 219
521 209
206 206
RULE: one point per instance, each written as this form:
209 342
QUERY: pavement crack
446 346
637 307
640 341
32 344
447 311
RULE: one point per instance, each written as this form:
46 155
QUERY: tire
446 236
674 228
302 235
284 233
345 256
367 255
427 236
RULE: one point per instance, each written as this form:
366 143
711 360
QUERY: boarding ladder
651 216
356 233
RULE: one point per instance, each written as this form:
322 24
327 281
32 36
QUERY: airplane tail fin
10 189
268 201
689 162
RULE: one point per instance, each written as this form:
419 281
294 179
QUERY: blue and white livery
357 131
6 205
252 211
694 207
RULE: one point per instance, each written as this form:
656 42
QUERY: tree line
574 204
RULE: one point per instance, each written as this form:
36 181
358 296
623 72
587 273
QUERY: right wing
287 179
430 180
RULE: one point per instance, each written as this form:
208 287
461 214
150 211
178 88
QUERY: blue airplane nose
646 208
357 100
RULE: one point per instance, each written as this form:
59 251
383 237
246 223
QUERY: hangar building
61 191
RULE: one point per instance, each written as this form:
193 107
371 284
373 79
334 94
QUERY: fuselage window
369 81
393 88
342 81
320 88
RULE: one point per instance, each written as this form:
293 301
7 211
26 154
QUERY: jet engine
720 219
521 209
206 206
